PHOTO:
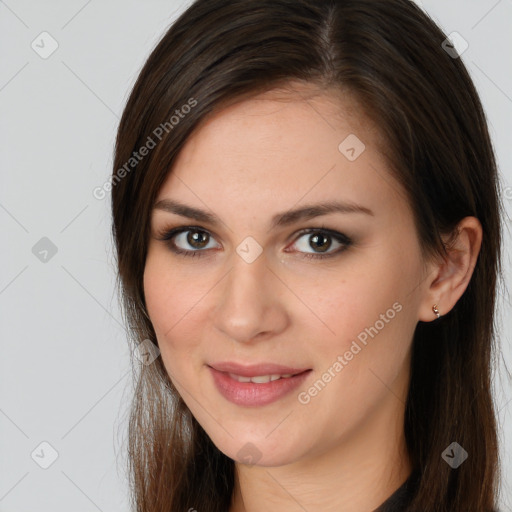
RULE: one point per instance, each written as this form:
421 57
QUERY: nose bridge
246 285
247 306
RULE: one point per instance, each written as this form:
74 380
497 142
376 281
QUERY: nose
250 302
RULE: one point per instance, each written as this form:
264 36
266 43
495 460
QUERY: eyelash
168 235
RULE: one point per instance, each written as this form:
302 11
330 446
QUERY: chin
260 454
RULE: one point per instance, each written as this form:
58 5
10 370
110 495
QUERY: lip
249 394
252 370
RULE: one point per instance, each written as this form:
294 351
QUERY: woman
307 226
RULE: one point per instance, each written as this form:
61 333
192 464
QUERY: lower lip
250 394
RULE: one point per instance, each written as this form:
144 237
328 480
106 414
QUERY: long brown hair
389 56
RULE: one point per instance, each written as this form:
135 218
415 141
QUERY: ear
449 278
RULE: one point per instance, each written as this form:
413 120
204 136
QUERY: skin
345 448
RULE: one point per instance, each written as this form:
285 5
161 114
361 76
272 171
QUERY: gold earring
435 310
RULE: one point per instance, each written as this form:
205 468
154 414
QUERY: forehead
275 118
279 148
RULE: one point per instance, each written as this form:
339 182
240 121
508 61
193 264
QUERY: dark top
399 501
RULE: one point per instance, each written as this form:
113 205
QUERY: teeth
260 379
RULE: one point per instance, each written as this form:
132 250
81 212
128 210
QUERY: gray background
65 365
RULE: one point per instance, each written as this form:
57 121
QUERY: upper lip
253 370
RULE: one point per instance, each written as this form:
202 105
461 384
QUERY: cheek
364 353
173 300
367 310
166 300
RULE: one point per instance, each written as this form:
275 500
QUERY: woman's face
251 287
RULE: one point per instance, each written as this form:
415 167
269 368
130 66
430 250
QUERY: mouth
262 379
258 389
272 370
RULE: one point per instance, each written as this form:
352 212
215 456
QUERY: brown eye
197 239
194 241
321 240
188 241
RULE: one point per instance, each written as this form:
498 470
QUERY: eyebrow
286 218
